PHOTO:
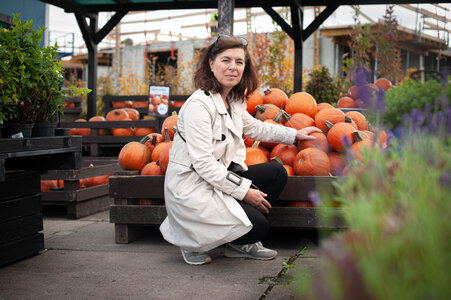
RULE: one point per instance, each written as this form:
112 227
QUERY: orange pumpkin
254 99
160 146
289 169
154 139
345 102
151 169
254 155
140 104
267 111
133 114
98 180
354 92
163 160
333 115
83 131
286 153
276 121
176 104
126 131
359 118
145 130
299 121
320 142
47 185
302 102
134 155
383 83
117 115
359 146
337 133
171 124
337 163
100 131
122 104
324 105
311 162
275 96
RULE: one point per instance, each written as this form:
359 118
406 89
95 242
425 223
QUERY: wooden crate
20 216
81 202
109 99
128 216
70 114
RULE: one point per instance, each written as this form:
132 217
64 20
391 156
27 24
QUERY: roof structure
92 35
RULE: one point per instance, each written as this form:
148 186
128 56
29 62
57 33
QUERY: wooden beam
425 12
319 20
279 20
88 36
225 16
112 22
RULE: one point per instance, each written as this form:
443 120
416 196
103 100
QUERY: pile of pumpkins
324 156
117 114
48 185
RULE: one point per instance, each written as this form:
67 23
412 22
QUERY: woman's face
228 67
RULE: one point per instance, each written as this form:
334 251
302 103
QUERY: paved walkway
82 261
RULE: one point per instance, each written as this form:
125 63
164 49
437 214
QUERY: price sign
158 100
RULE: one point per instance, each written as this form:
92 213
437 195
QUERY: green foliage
323 87
30 76
410 95
397 208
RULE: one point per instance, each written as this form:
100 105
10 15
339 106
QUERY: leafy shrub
323 87
410 95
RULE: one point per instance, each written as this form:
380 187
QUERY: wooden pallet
20 216
40 154
128 216
109 99
81 202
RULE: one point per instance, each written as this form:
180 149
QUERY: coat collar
221 109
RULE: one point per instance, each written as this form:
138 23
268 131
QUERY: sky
61 24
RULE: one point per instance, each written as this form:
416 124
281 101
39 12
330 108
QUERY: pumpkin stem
286 115
144 139
328 124
174 113
348 120
357 137
167 137
278 117
260 108
255 144
267 91
277 159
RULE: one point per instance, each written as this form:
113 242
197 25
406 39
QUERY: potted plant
30 78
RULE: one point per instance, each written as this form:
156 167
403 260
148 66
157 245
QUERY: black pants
270 178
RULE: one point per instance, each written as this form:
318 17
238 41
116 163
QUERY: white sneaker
195 258
254 251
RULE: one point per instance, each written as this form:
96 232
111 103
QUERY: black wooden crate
129 191
109 145
40 154
81 202
20 216
70 114
143 111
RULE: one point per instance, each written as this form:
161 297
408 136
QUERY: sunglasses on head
242 40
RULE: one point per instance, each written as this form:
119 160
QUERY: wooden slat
75 195
18 228
146 187
111 124
280 217
19 184
21 248
20 207
85 172
299 187
28 146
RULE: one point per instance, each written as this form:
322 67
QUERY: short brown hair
205 80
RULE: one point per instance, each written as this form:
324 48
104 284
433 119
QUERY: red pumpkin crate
129 214
77 191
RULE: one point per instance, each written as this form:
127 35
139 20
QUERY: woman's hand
303 134
257 199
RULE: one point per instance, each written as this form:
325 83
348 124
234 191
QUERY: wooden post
225 16
297 19
92 71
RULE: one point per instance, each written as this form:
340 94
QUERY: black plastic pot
10 129
43 129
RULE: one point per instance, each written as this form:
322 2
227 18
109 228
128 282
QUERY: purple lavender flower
346 141
445 179
389 137
313 197
417 119
380 101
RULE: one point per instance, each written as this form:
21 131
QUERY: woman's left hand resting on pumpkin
303 134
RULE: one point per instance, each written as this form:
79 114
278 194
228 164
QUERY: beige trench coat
200 193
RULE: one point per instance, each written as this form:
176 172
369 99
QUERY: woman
212 198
